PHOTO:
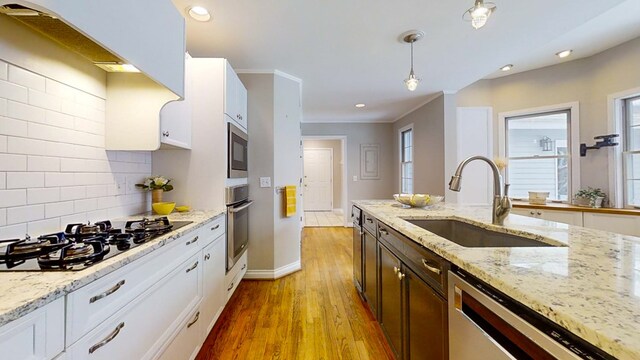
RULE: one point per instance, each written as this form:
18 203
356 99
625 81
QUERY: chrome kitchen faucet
501 202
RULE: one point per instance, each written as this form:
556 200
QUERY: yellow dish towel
289 200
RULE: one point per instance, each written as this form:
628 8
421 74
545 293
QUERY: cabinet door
175 116
187 343
567 217
621 224
242 105
231 93
357 257
524 212
371 272
214 294
426 320
391 299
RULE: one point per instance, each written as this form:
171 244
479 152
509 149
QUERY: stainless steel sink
468 235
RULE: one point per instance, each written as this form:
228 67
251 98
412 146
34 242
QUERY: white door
318 179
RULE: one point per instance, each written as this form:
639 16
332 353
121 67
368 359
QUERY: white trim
449 92
574 127
400 151
345 188
348 122
274 72
615 126
273 274
330 172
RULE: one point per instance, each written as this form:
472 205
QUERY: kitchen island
588 283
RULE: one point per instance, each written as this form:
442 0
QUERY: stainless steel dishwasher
486 324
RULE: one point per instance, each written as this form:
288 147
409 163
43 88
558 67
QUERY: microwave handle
238 209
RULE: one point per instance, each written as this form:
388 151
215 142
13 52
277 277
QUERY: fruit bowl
418 200
163 208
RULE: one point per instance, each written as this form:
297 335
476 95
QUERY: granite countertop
590 285
570 207
24 291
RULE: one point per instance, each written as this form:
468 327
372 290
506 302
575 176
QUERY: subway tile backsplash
53 166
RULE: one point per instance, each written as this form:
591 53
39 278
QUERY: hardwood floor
315 313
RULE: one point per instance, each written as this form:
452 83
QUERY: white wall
53 166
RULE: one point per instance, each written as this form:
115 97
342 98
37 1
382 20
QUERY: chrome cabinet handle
195 320
242 246
230 287
384 231
431 268
195 265
106 340
244 266
192 241
215 227
400 276
165 133
115 288
207 256
369 220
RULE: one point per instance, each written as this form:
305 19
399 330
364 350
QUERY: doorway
323 186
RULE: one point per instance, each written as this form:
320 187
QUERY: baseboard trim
273 274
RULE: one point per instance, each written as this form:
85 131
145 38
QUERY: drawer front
95 302
215 228
429 266
356 215
236 274
139 330
188 341
369 223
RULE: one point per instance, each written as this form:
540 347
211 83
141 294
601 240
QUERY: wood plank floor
315 313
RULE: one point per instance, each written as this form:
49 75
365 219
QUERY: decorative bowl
418 200
183 208
163 208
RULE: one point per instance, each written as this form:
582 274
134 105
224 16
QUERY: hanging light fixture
479 13
412 81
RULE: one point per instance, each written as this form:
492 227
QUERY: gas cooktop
81 245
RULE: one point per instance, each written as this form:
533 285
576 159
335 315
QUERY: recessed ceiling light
564 53
360 105
199 13
507 67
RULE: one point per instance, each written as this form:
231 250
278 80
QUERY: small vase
156 196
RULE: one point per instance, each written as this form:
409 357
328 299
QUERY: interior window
538 148
406 161
631 152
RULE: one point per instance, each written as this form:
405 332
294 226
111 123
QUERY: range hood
65 35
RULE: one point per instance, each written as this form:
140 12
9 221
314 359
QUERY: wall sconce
546 143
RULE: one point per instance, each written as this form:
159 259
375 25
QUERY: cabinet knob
395 269
539 213
165 133
400 276
532 213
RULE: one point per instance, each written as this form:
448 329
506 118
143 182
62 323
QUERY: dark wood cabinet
370 273
391 299
357 257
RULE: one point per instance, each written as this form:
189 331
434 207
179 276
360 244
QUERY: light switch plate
265 182
355 177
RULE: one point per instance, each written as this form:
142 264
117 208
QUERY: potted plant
157 185
589 197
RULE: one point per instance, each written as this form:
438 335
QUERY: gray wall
336 146
260 112
589 81
428 139
362 134
274 115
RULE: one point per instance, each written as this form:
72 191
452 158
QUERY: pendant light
479 13
412 81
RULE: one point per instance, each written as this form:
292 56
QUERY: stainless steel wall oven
238 152
238 203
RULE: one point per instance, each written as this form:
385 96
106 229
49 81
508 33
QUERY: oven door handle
238 209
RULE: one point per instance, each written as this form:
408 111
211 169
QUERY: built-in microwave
238 152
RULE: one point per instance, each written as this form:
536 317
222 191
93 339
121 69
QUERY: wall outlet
355 177
265 182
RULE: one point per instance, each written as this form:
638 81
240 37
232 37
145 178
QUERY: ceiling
349 52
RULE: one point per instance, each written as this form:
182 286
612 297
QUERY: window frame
624 144
573 137
401 131
615 116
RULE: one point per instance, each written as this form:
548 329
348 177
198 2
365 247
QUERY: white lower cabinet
140 329
214 295
235 275
37 335
621 224
187 343
567 217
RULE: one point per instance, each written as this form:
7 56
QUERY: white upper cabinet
176 117
149 34
235 100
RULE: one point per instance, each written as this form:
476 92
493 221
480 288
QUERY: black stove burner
16 251
83 253
80 245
